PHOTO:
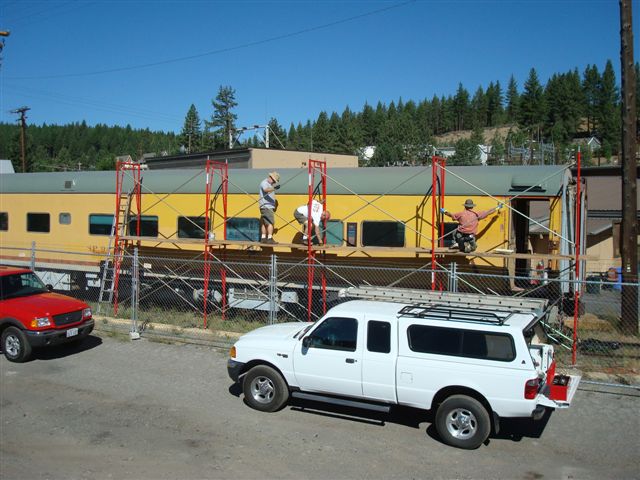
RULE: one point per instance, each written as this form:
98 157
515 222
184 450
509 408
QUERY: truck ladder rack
453 314
469 301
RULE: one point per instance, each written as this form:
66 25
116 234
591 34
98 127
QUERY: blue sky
144 62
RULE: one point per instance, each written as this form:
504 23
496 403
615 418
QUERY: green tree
191 134
608 112
223 118
513 101
467 153
277 135
461 107
590 89
532 104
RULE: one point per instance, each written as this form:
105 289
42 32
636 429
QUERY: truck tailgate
560 392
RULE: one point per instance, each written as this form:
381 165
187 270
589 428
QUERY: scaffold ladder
121 219
319 190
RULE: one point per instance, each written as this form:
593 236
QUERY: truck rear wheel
265 389
463 422
15 345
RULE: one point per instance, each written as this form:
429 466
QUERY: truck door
379 360
330 359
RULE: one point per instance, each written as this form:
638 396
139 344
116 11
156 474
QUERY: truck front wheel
265 389
15 345
463 422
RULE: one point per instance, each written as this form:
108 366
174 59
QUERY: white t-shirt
316 211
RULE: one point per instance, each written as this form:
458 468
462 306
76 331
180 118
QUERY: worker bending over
317 215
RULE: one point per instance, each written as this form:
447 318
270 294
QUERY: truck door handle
350 360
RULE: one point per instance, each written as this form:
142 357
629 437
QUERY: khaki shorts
267 216
301 218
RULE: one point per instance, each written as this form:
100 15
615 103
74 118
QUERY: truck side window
336 333
378 336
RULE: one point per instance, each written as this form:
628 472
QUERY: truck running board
376 407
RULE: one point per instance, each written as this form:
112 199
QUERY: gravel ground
117 409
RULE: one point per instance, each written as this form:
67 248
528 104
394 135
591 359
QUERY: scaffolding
129 205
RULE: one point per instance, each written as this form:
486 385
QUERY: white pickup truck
471 360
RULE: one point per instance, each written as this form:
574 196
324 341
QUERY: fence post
453 277
33 256
135 290
273 290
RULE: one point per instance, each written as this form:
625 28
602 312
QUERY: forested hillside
569 104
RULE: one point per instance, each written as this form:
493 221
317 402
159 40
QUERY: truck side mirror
49 287
306 341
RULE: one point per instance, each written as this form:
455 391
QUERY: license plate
72 332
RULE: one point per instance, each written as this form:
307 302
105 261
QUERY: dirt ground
115 409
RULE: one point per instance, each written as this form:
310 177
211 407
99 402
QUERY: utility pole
3 33
629 247
23 128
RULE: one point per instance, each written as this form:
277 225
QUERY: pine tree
191 135
277 135
608 112
461 107
513 101
590 87
223 119
532 104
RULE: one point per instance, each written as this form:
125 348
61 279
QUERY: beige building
253 158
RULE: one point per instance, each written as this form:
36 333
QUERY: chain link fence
161 296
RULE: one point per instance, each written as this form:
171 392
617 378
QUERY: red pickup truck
31 315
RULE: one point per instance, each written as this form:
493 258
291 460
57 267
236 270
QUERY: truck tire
15 345
265 389
463 422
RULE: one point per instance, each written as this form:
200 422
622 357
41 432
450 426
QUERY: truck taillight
531 388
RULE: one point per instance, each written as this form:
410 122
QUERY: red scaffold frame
316 167
438 171
212 169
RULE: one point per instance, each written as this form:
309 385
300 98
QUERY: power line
222 50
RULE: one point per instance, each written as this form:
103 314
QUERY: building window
335 232
243 229
4 221
191 227
100 224
461 343
378 336
449 228
64 219
38 222
382 234
148 226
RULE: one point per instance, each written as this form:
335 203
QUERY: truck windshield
20 285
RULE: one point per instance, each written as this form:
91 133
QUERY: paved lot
116 409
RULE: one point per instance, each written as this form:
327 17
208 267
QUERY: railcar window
38 222
148 226
243 229
461 343
378 336
382 234
449 228
4 221
335 232
64 219
100 224
191 227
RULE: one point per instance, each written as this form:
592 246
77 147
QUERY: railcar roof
465 181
